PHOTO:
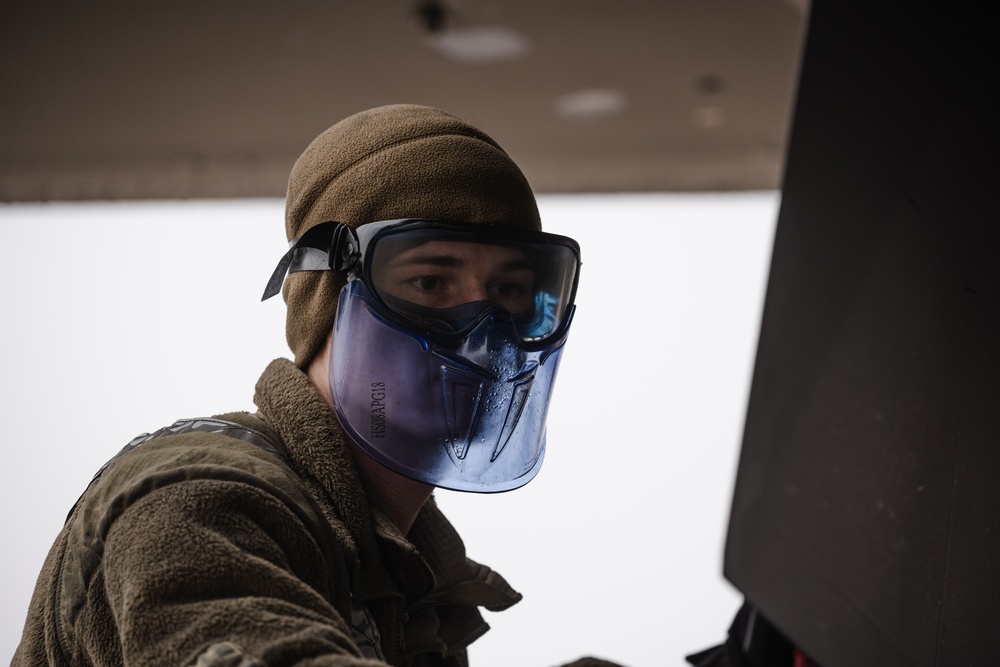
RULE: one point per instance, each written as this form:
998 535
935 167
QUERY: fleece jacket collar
419 572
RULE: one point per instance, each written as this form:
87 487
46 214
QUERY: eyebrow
448 261
517 264
451 261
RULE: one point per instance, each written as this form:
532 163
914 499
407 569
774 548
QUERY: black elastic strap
327 246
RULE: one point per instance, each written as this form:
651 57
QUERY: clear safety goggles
443 278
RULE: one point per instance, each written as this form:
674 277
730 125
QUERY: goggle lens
444 278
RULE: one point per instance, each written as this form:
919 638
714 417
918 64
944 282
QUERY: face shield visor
446 343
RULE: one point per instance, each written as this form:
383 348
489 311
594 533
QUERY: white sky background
120 318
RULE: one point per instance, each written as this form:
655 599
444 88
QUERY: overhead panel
125 100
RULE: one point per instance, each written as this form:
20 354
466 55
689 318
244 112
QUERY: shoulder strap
201 425
207 425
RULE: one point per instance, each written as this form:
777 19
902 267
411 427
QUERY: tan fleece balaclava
399 161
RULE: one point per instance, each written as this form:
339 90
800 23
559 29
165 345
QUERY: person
426 312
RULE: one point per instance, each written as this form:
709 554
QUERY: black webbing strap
202 425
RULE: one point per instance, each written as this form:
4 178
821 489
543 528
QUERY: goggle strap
327 246
345 248
278 277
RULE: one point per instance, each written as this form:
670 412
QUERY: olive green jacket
206 549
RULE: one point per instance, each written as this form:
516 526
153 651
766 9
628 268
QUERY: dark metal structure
866 517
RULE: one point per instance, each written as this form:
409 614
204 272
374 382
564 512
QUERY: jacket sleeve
216 573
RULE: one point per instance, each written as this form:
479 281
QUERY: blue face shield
446 344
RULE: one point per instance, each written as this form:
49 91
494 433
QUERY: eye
508 290
427 283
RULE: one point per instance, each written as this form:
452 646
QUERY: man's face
448 336
444 274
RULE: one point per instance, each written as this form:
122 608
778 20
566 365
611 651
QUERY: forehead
457 253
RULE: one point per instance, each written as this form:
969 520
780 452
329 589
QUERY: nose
474 289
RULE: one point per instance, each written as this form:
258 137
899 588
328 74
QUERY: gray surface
118 99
